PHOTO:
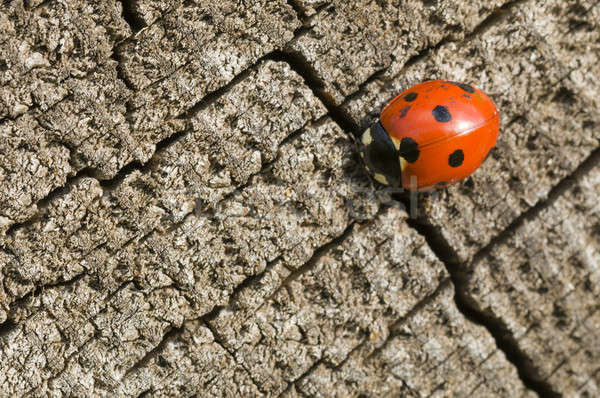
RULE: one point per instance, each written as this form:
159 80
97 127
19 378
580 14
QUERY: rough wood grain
183 211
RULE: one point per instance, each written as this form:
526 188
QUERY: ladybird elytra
431 135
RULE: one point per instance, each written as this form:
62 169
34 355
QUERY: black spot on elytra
441 114
456 158
381 155
467 96
404 111
410 97
409 149
468 88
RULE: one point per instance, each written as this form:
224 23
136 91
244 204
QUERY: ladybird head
381 156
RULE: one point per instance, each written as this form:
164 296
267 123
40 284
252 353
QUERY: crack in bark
116 56
171 334
468 307
298 9
318 253
377 75
392 326
301 66
217 340
304 374
494 18
130 15
58 192
10 324
111 183
79 349
38 290
7 327
206 319
209 316
592 161
296 60
434 238
160 146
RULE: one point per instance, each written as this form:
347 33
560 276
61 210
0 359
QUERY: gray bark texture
183 211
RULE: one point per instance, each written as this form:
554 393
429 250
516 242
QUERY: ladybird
432 135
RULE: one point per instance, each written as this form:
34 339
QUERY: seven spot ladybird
431 135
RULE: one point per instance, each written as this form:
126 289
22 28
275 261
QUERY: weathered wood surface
182 210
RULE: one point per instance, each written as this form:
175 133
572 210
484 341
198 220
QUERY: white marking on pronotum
380 178
366 137
403 163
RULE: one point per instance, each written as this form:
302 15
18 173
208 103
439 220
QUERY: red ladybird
433 134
